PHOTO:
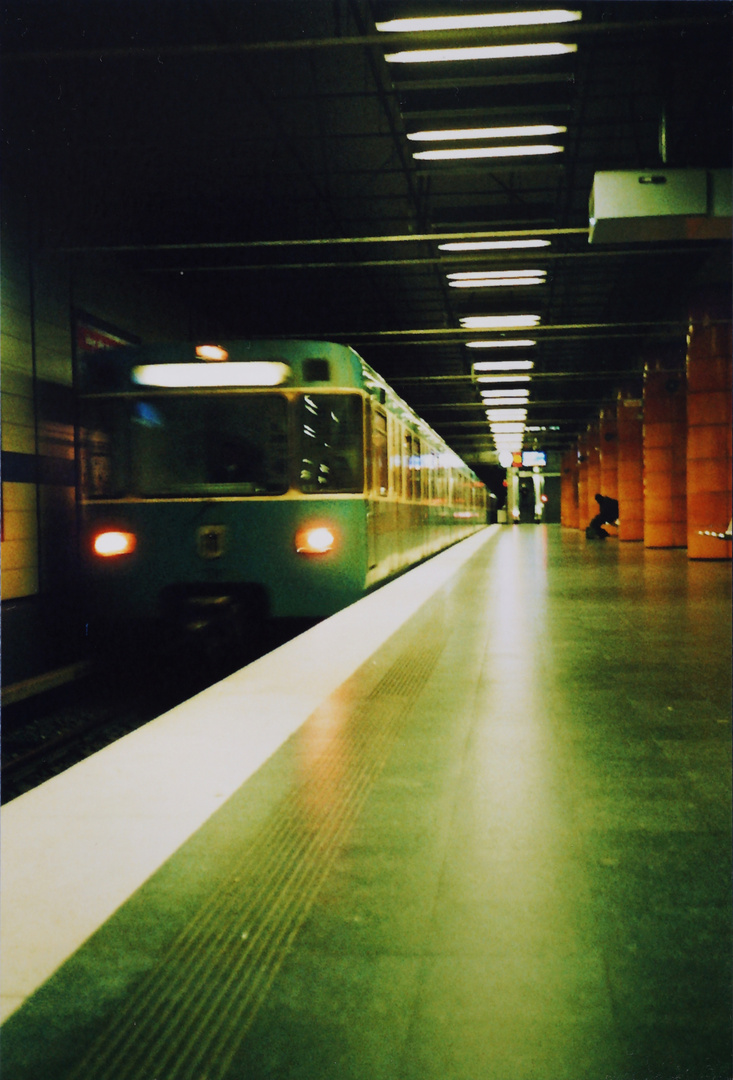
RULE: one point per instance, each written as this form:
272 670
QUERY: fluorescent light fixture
488 152
512 397
503 401
496 415
477 22
503 365
510 343
525 131
476 275
518 393
498 322
506 429
497 283
502 378
245 373
491 245
480 52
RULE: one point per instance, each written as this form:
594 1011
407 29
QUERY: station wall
40 292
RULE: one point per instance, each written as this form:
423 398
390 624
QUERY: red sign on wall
91 337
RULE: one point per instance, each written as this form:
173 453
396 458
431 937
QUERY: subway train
234 484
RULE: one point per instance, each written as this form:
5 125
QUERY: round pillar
594 470
709 426
569 515
582 458
630 466
665 454
608 447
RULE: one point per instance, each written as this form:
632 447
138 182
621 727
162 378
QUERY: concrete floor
500 851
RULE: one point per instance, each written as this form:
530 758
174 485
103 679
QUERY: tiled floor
501 851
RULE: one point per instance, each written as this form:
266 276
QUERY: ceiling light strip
537 150
499 322
494 283
479 21
500 344
480 52
456 135
471 275
493 245
503 365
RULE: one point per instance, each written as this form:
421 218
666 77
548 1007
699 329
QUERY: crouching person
607 515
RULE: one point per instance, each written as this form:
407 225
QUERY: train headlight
113 542
314 540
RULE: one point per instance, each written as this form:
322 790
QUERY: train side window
426 473
441 487
330 431
380 456
396 460
367 442
415 470
406 465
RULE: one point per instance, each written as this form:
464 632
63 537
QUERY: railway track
46 735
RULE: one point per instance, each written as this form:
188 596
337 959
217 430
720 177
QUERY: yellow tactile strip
191 1014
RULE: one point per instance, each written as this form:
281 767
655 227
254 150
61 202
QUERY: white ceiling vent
661 204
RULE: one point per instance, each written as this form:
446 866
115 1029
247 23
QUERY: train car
254 479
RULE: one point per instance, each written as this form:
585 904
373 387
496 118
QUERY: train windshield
182 445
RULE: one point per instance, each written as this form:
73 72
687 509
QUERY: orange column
582 455
665 455
594 469
630 479
609 452
709 427
569 490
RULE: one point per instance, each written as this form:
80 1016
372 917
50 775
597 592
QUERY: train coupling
228 612
201 611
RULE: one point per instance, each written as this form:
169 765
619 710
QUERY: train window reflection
329 428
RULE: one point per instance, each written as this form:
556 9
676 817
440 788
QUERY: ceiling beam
665 326
579 403
567 32
231 245
441 260
417 380
465 81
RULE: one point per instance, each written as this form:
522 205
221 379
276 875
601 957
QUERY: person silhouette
607 515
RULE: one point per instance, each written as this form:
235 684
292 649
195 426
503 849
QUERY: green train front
236 476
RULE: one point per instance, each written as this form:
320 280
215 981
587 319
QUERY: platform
497 848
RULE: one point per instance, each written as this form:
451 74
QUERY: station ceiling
255 155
